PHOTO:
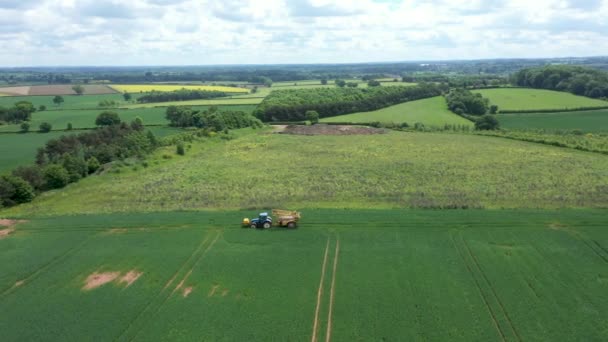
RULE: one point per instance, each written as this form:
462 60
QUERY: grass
429 170
86 118
71 101
398 275
536 99
20 149
586 121
142 88
430 112
214 102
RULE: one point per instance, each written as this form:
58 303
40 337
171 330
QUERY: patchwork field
537 99
430 112
429 170
214 102
142 88
70 101
586 121
343 275
56 89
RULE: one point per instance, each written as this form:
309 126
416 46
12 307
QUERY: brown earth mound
331 130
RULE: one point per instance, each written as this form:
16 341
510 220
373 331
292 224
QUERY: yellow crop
142 88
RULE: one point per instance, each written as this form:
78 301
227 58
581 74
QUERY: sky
202 32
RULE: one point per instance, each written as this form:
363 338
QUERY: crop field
215 102
343 275
59 119
70 101
456 171
537 99
20 149
585 121
430 112
142 88
55 89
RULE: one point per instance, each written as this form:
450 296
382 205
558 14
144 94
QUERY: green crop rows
585 121
537 99
396 274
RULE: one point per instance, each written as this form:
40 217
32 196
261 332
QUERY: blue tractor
263 221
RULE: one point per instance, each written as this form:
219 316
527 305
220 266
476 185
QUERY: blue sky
182 32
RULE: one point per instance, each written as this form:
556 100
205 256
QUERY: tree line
573 79
18 113
292 104
179 95
70 158
212 118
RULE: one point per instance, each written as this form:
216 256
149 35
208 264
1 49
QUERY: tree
45 127
487 122
42 108
107 119
56 176
340 83
70 127
16 190
312 116
93 165
324 81
137 124
78 89
25 127
373 83
254 90
58 100
127 97
352 84
31 174
76 167
493 109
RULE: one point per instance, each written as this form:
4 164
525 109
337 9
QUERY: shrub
312 116
107 119
69 128
93 165
31 174
15 190
41 108
45 127
75 166
56 176
180 149
25 127
487 122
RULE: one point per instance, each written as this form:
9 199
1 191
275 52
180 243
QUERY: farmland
142 88
348 274
537 99
430 112
57 89
457 171
585 121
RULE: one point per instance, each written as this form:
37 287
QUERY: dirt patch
225 293
117 231
96 280
187 291
15 91
278 128
331 130
10 223
130 277
66 89
212 292
5 232
557 226
19 283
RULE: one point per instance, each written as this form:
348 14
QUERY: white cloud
136 32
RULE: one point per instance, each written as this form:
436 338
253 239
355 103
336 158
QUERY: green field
400 275
537 99
586 121
430 112
429 170
71 101
86 118
215 102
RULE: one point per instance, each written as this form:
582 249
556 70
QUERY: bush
462 101
93 165
42 108
56 176
373 83
180 149
487 122
107 119
69 128
312 116
75 166
31 174
45 127
25 127
15 190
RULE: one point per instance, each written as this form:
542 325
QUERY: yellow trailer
286 218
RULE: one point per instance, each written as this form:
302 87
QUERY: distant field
430 112
586 121
86 118
20 149
344 275
237 102
367 171
331 84
537 99
56 89
70 101
142 88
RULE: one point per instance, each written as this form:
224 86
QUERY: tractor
285 218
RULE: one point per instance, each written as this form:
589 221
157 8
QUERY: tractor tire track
45 267
475 261
320 294
331 291
199 258
483 296
206 238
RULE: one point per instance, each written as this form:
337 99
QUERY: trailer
284 218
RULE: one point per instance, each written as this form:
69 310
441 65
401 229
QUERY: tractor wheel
291 225
253 226
266 225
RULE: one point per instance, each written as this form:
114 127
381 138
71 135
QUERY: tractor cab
263 221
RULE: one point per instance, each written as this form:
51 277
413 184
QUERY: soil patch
213 289
187 291
96 280
10 223
15 91
331 130
130 277
5 232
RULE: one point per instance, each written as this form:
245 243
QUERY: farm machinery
284 218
